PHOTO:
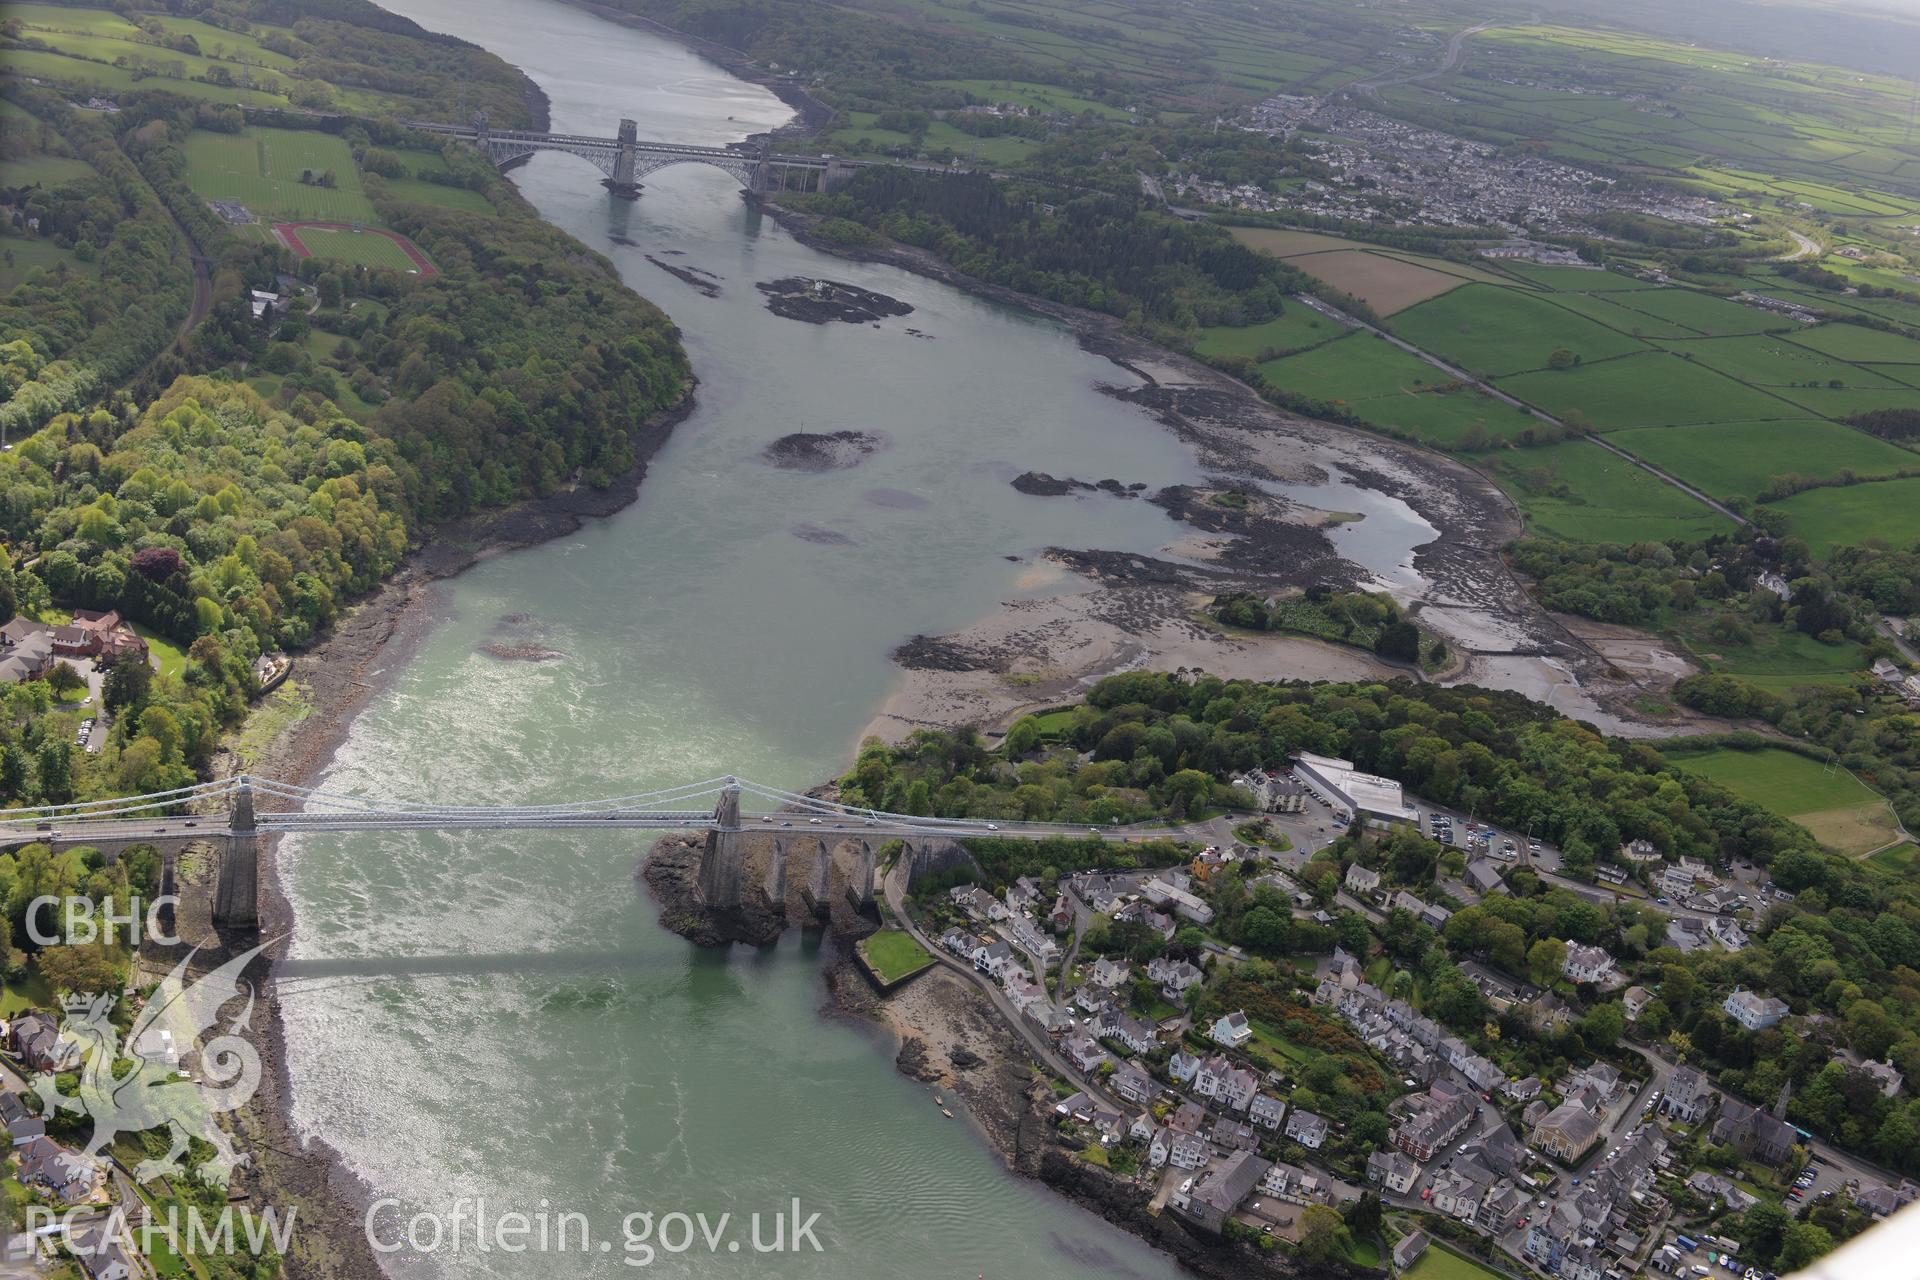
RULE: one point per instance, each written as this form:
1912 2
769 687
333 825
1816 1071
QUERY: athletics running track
288 234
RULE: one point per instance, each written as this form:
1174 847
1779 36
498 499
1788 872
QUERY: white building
1363 796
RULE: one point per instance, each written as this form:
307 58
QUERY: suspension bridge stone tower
236 897
622 183
724 865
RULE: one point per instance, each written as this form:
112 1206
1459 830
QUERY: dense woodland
1104 252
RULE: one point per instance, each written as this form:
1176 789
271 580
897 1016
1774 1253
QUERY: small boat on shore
948 1114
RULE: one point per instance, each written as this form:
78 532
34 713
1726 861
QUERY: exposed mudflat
1251 528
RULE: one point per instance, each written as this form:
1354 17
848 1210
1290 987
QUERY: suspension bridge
240 810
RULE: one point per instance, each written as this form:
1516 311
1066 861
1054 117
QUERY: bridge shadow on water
710 972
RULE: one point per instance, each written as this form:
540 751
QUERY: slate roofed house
1108 972
1404 901
1886 1076
1183 1066
1231 1030
21 1124
1566 1132
1483 875
1392 1170
29 657
1635 1000
1133 1084
1362 880
1502 1150
1408 1250
1435 917
1174 976
1189 1151
1213 1201
1587 964
44 1163
1307 1129
1754 1011
1231 1135
991 956
1187 1118
1522 1090
1266 1111
36 1041
1085 1052
1688 1096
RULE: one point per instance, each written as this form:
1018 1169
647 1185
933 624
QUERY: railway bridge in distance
238 812
627 158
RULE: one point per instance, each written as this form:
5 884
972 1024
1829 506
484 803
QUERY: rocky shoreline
947 1035
1468 594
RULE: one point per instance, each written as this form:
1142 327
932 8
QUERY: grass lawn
1440 1264
1490 330
1900 860
893 954
1364 1253
1886 509
30 992
1578 491
173 661
1737 459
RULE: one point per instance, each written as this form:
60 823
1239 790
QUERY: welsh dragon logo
151 1093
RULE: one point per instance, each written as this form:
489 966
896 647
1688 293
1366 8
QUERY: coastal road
893 888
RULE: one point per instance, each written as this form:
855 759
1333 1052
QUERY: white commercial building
1363 796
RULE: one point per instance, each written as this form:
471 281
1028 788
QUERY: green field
1833 804
1853 342
892 954
1737 459
1026 93
1655 389
1887 510
1490 330
1295 329
439 194
1773 361
45 170
261 169
1379 382
1704 313
1578 491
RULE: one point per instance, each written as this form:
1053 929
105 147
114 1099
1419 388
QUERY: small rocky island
825 301
821 450
1041 485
